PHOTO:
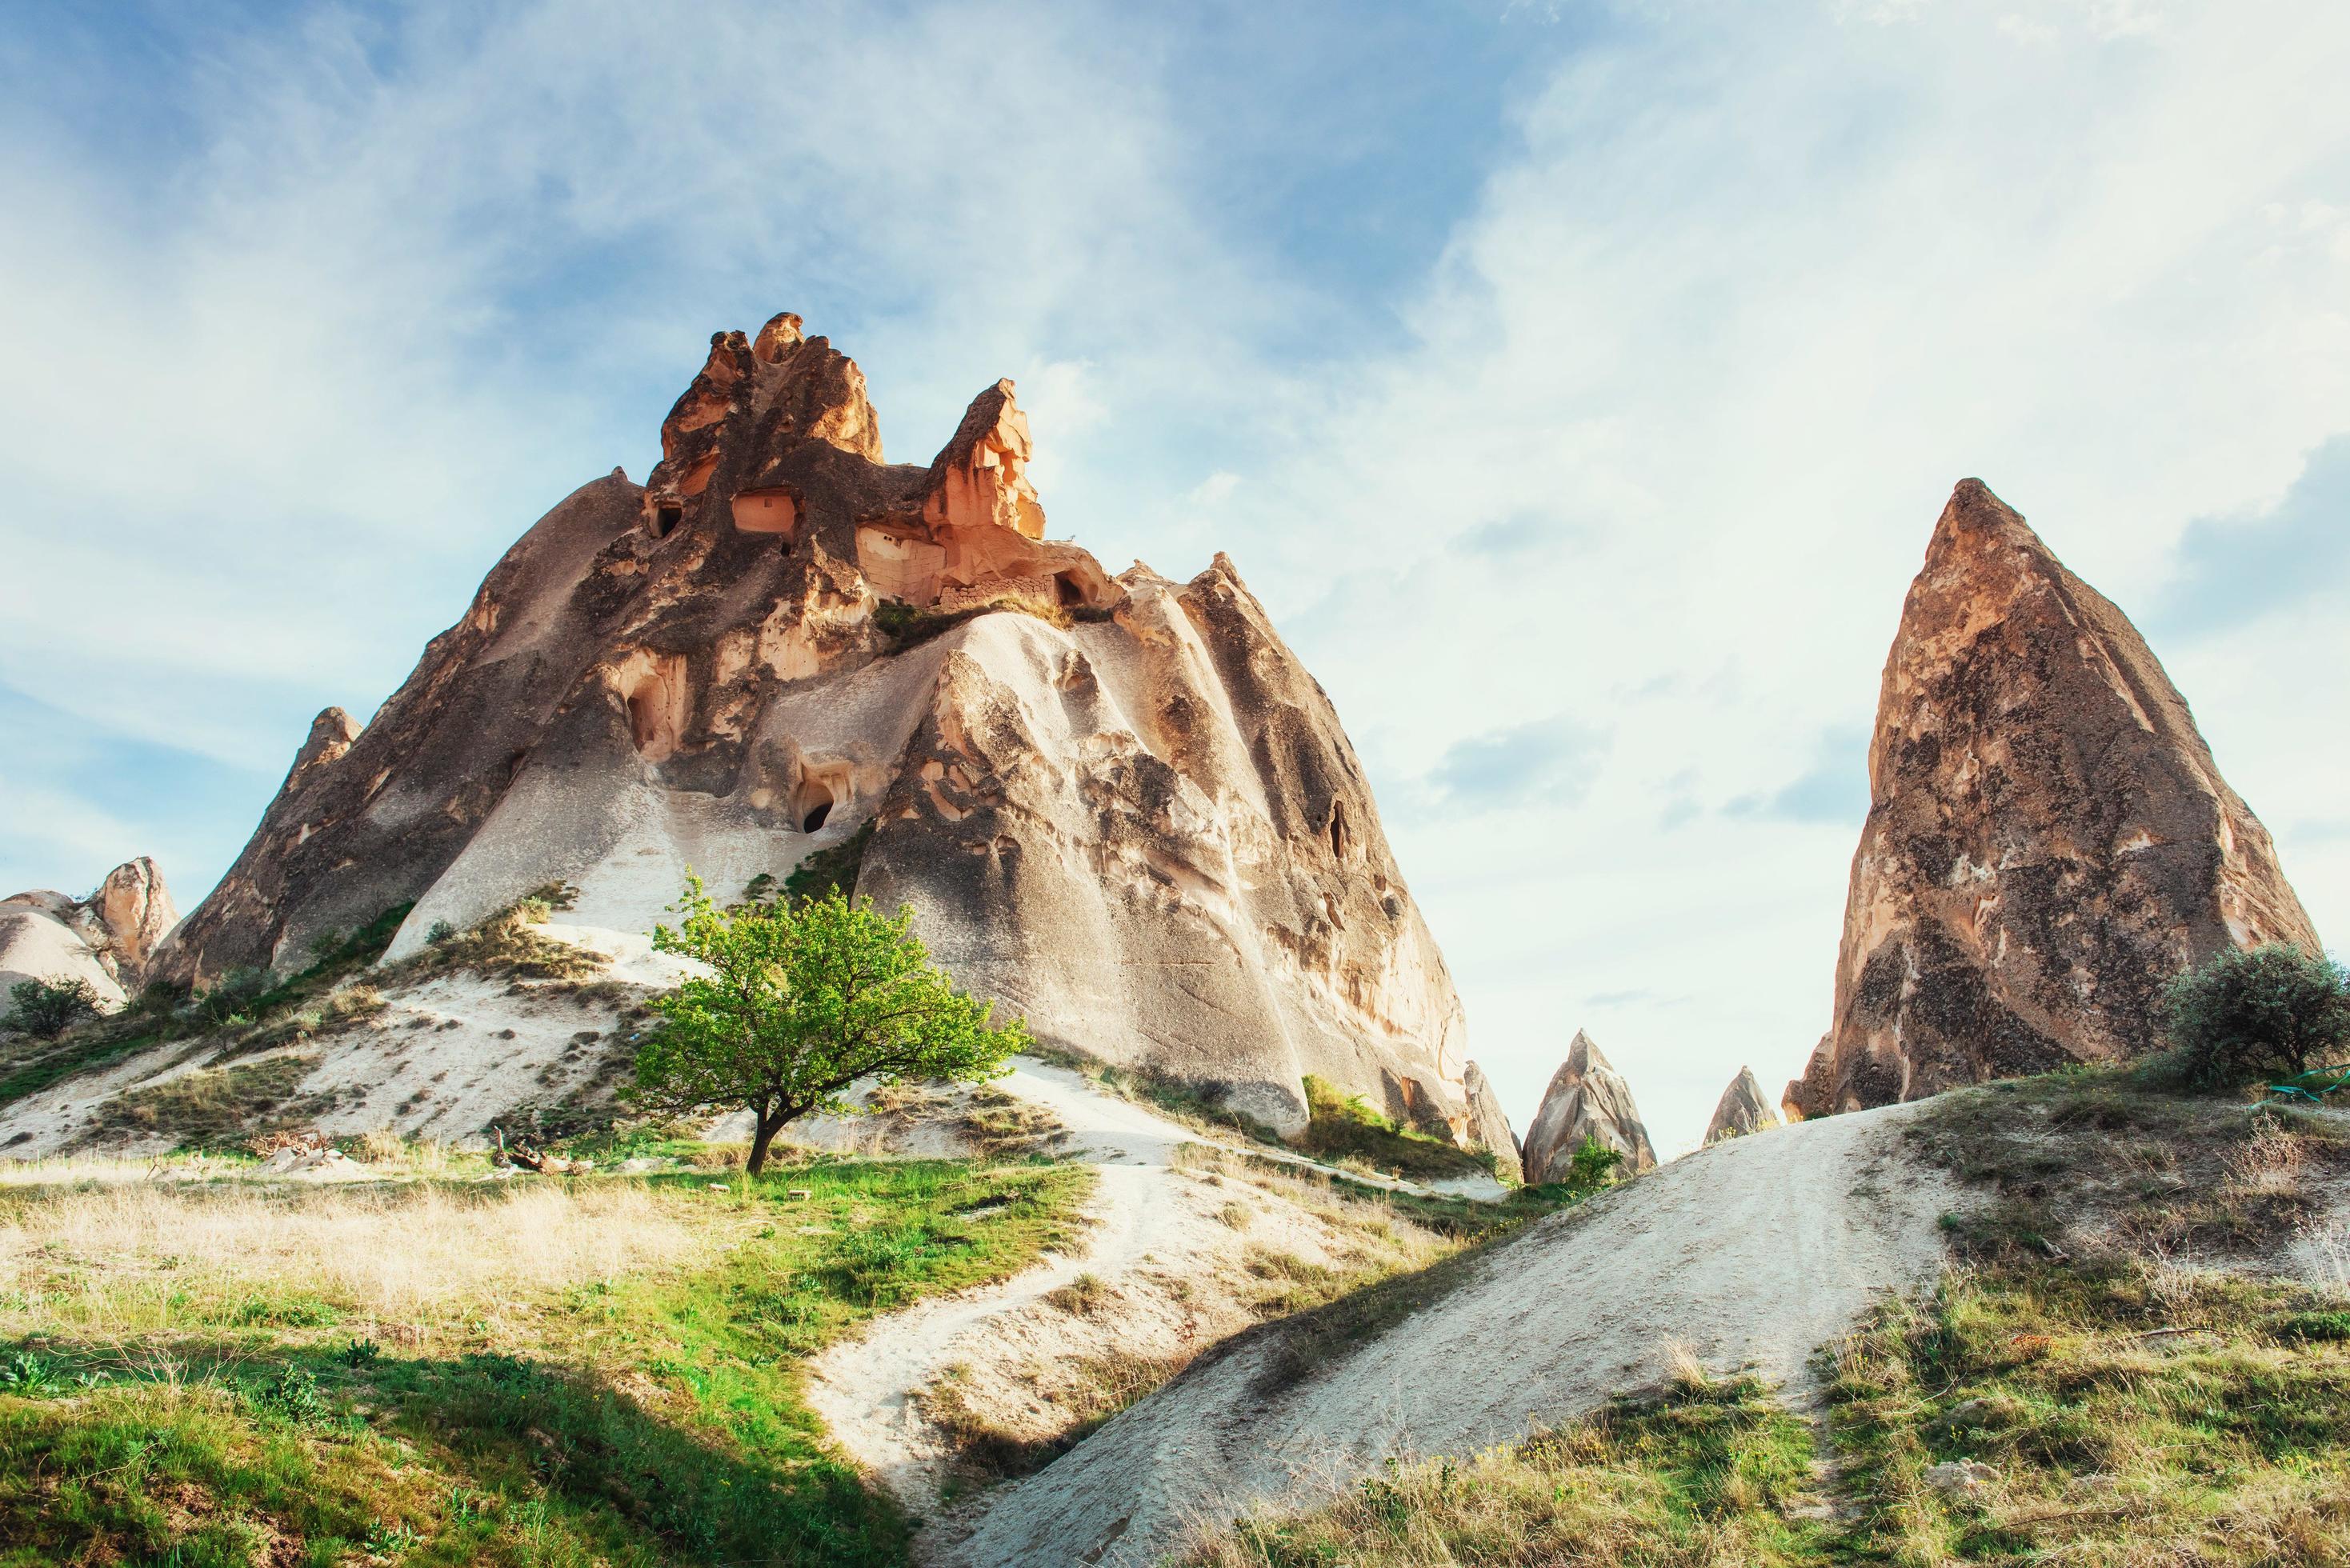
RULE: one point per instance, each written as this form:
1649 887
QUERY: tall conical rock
1488 1124
1587 1097
2048 839
1121 805
1743 1109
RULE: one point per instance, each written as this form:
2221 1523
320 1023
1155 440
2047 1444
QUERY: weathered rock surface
1587 1097
106 939
1123 808
1743 1109
2048 838
1489 1125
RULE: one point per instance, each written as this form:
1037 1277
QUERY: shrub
440 931
45 1009
2256 1013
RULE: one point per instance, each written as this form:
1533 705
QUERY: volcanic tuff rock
1489 1125
2048 838
1587 1097
1120 806
106 939
1743 1109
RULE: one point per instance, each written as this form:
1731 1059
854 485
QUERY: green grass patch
649 1418
1341 1127
216 1107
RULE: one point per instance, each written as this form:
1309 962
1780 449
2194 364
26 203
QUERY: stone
1489 1125
1587 1097
106 939
2049 840
1959 1478
1743 1108
1119 805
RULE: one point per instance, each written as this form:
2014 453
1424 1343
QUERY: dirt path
1752 1254
1145 1220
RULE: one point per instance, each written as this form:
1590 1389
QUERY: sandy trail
1752 1254
1140 1215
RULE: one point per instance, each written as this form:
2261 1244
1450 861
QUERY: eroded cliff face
1123 808
107 939
2048 839
1586 1098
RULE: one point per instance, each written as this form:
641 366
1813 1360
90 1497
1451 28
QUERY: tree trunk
759 1142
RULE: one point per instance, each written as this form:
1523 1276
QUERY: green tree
2257 1012
803 1000
45 1009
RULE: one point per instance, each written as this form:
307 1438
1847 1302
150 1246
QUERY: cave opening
1337 830
772 510
666 517
1067 592
816 813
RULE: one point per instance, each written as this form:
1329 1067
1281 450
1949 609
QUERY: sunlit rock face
1121 806
1743 1109
106 939
2048 838
1586 1098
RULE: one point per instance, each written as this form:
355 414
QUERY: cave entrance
1065 591
666 517
817 801
1337 830
772 510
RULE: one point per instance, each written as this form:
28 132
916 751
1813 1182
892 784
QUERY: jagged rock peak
1488 1124
1121 806
107 939
1587 1097
2048 839
331 734
1743 1109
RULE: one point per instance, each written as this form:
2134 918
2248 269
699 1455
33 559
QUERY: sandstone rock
106 939
1743 1108
1587 1097
2048 838
1489 1125
1123 808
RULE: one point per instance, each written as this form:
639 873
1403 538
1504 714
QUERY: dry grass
124 1258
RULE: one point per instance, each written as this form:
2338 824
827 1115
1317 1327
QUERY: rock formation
2048 839
1743 1108
1489 1125
106 939
1587 1097
1119 805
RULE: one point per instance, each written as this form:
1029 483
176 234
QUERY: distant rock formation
1587 1097
106 939
1743 1108
1122 806
1489 1125
2048 838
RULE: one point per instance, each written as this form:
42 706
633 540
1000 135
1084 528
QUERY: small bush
438 932
45 1009
2269 1012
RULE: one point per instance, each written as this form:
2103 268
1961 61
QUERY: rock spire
1587 1097
1743 1108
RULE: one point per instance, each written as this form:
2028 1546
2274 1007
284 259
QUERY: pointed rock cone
2048 838
1743 1109
1587 1097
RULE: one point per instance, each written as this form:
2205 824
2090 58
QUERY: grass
829 870
905 627
1341 1127
601 1371
217 1108
1704 1473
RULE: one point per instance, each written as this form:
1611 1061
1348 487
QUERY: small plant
1081 1297
29 1376
45 1009
391 1538
1594 1166
2256 1013
292 1396
757 889
359 1354
440 931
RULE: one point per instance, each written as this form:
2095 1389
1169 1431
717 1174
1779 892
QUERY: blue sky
1577 382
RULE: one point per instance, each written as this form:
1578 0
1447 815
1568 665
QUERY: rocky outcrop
1489 1125
1586 1098
1743 1109
106 939
1119 805
2048 839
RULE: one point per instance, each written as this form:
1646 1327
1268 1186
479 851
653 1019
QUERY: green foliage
827 872
29 1375
291 1395
1341 1127
438 932
807 999
45 1009
1594 1166
2268 1012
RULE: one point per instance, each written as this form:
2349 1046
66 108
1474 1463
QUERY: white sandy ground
1753 1254
1171 1269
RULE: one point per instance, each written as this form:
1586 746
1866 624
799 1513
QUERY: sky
1577 383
